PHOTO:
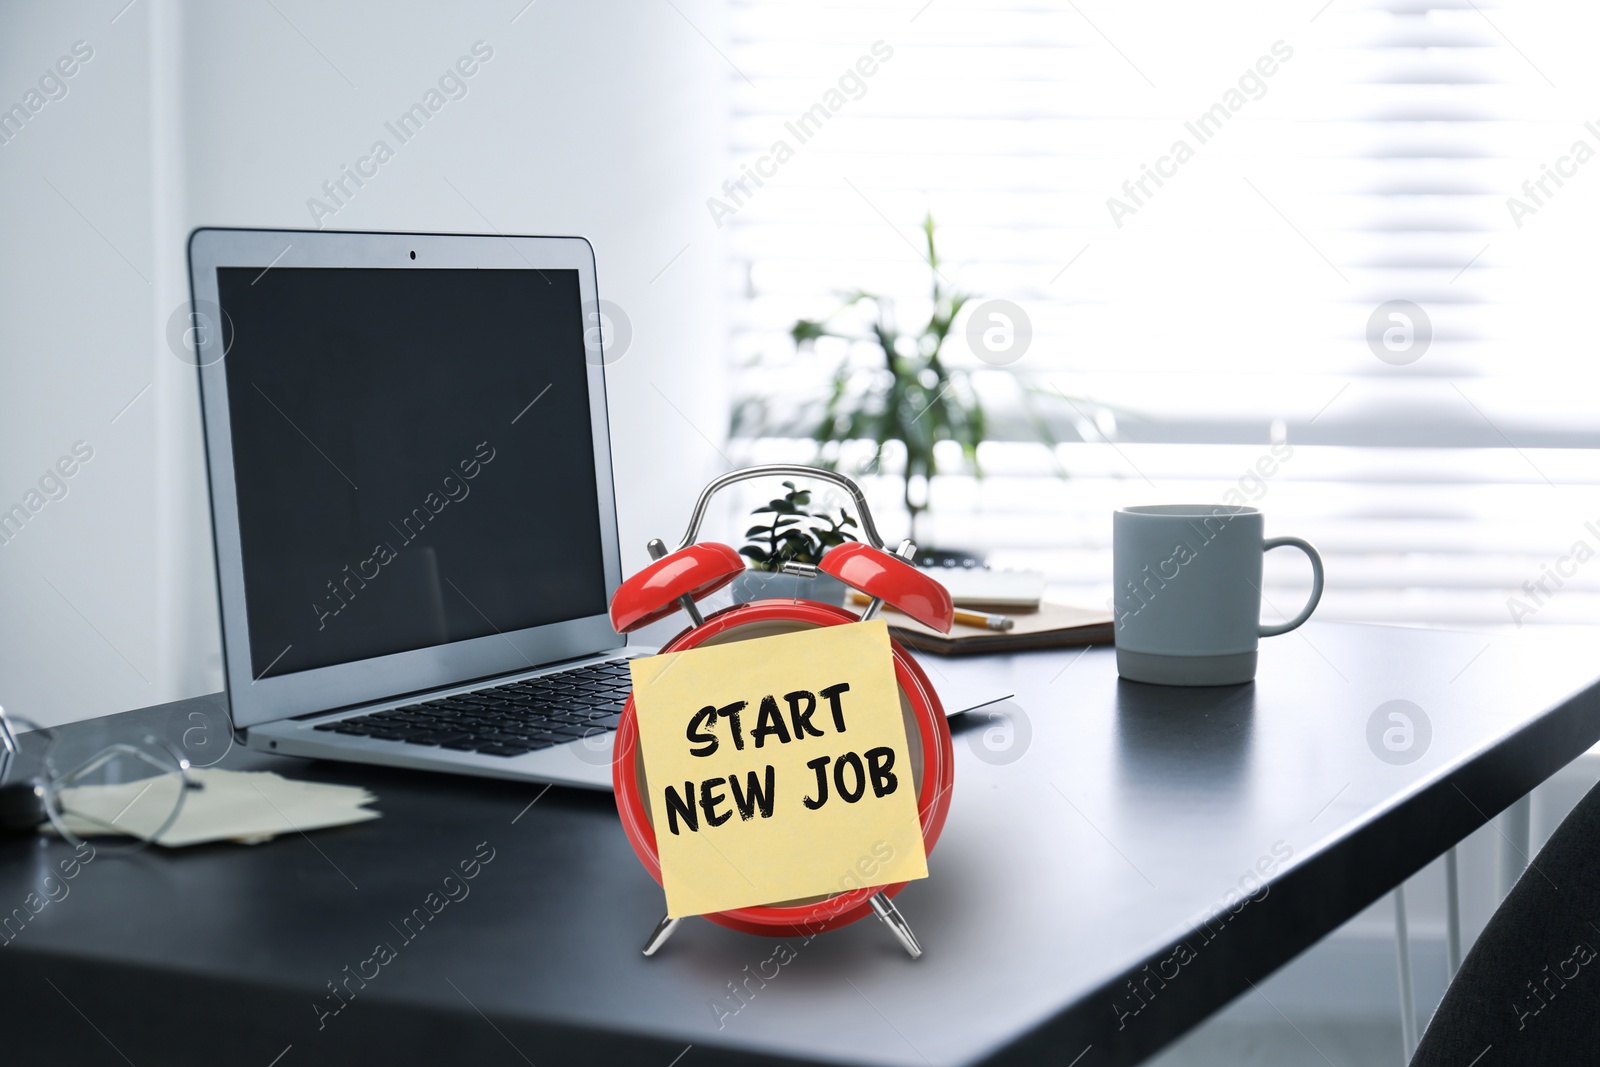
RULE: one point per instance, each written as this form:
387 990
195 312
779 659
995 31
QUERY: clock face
927 736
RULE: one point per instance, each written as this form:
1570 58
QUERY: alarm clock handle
869 529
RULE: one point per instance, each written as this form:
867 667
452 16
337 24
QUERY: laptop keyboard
506 720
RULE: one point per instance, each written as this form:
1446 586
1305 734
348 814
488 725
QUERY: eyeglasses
126 788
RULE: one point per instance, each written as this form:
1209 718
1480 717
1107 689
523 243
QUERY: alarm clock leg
891 917
663 931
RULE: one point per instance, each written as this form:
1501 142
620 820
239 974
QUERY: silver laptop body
411 498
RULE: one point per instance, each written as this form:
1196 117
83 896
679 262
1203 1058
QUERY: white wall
600 119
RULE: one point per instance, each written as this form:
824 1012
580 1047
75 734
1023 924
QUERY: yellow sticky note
778 768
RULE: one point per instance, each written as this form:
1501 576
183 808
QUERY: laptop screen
413 458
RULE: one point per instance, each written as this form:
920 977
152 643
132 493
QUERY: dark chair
1529 991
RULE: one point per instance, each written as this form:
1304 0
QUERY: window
1212 299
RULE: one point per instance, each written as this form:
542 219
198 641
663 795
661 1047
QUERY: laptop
411 498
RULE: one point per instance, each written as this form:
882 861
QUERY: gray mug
1186 592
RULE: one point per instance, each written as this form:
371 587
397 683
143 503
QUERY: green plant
794 535
913 398
908 397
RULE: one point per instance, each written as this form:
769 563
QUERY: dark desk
1130 816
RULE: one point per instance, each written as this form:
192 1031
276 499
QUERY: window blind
1191 306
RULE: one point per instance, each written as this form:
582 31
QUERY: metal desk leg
1452 906
663 931
1408 1006
1514 833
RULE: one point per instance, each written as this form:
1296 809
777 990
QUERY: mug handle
1316 583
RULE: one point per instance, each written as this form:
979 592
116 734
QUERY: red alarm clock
676 580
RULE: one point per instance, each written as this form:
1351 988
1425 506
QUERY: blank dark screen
413 458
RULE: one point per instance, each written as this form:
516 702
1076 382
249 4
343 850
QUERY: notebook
1052 626
987 590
